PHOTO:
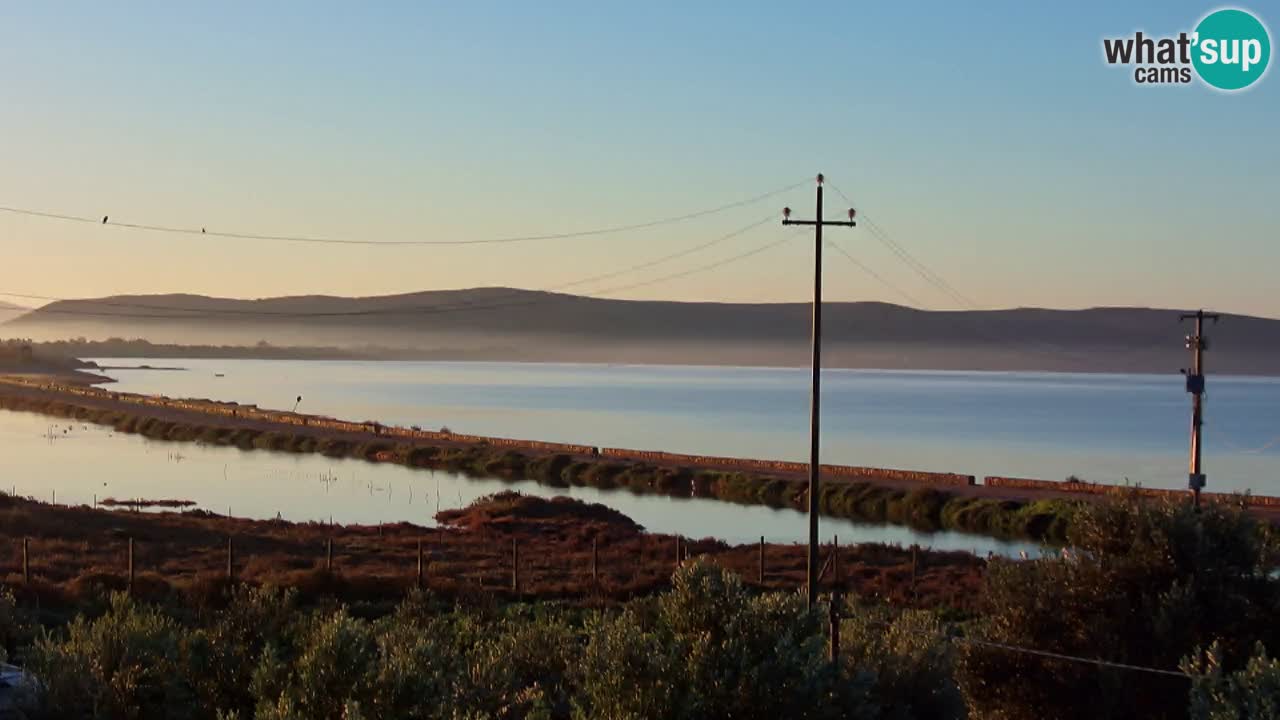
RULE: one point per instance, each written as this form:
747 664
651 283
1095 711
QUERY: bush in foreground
1146 583
707 648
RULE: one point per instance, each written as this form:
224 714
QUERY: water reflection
81 463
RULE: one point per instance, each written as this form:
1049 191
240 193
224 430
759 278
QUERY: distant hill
508 324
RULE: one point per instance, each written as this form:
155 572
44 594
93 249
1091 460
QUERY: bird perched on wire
104 219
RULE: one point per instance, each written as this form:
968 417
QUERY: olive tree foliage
1143 583
710 649
1250 693
128 663
417 665
16 628
911 660
222 656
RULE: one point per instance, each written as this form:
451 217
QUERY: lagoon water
1106 428
1103 428
52 459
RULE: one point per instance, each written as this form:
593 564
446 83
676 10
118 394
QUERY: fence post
595 562
231 560
835 558
420 568
914 569
761 578
328 555
515 567
26 561
131 565
834 620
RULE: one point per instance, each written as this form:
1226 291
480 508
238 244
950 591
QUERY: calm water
43 456
1104 428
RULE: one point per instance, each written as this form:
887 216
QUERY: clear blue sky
989 139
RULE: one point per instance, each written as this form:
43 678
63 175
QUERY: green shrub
222 658
1251 693
910 659
16 628
128 663
1145 584
330 668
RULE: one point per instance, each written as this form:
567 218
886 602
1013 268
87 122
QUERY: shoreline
1006 508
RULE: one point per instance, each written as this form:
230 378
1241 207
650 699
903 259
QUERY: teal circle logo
1232 49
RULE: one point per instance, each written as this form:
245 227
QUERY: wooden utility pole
1197 344
816 372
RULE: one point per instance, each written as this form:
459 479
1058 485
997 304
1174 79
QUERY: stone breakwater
1087 488
849 471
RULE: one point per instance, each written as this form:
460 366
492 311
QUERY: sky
990 140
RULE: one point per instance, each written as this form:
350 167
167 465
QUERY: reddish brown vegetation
77 552
142 502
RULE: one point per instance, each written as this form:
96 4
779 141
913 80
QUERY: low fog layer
503 324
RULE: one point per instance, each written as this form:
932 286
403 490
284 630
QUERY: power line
910 260
704 268
192 313
204 232
667 258
957 639
863 266
1072 658
1248 450
942 285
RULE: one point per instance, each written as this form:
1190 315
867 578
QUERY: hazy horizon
1029 175
32 305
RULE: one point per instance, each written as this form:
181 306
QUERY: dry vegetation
78 553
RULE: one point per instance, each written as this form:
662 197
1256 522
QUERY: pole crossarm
841 223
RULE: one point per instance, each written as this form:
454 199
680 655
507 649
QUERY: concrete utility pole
816 370
1197 344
